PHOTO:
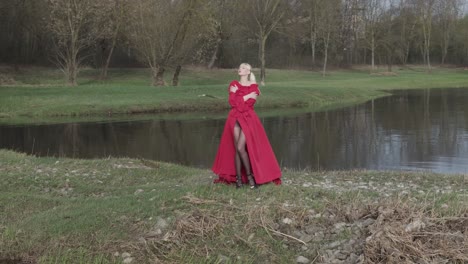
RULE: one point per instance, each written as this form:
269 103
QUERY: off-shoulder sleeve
235 100
255 88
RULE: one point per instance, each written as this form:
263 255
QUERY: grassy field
38 94
57 210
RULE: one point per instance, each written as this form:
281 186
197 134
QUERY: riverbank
57 210
38 94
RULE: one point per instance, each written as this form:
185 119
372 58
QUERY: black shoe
238 182
252 183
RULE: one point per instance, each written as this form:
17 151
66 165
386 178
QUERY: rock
297 233
302 259
352 258
287 221
339 255
340 225
127 260
334 244
154 233
223 259
348 248
275 226
306 238
126 255
319 235
367 222
311 229
161 223
138 191
415 226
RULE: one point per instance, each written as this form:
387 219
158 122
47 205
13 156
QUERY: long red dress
263 162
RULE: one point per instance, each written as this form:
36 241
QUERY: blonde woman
244 153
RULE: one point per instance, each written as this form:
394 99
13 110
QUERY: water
411 130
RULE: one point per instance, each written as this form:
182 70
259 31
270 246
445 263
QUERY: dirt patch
384 74
17 261
6 79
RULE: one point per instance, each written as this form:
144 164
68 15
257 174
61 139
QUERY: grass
57 210
40 93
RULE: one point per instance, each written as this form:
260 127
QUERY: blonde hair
251 76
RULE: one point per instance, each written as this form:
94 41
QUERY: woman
244 141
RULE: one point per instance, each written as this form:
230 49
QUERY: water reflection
417 129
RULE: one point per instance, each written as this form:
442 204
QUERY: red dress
263 162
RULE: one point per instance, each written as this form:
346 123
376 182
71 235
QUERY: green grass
57 210
40 95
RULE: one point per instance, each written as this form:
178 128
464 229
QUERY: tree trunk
325 59
427 43
262 59
175 79
214 56
312 45
444 54
158 76
106 65
406 53
72 73
373 53
114 41
389 60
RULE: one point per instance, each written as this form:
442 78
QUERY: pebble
302 259
127 260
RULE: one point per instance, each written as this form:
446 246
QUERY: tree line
168 34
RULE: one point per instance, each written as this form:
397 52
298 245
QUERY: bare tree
313 10
115 17
75 27
21 29
447 12
390 37
223 17
351 24
407 22
329 25
425 14
372 17
158 30
267 15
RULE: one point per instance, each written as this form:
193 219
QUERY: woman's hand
252 95
233 88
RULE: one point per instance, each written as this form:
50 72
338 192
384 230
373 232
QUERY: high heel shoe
252 183
238 182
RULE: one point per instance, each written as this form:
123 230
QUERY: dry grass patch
403 233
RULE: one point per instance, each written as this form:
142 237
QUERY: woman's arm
252 95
